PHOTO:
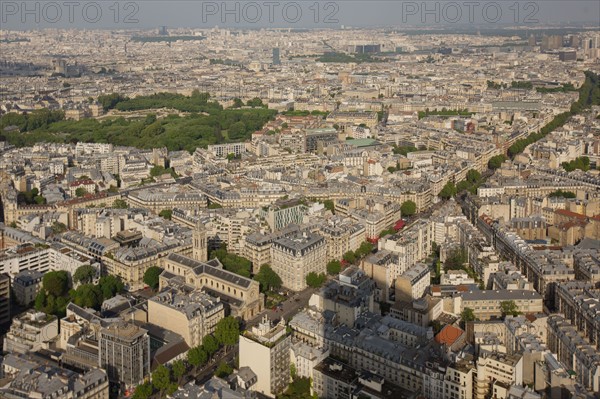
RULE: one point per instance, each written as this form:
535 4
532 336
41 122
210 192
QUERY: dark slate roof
211 268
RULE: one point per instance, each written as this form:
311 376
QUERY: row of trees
563 194
160 170
589 94
408 208
471 183
166 380
564 88
346 58
362 251
151 276
268 279
403 150
496 161
523 84
445 112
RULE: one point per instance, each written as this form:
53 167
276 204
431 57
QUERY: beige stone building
486 304
30 332
241 295
266 350
131 263
382 267
294 257
497 367
412 283
341 238
26 286
187 311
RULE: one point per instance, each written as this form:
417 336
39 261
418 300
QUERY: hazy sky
145 14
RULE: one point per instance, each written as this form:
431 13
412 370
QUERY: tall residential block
266 350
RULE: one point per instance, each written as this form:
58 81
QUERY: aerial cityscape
326 209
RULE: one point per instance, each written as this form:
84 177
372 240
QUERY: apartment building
88 186
412 244
452 382
347 119
349 295
574 351
378 215
338 380
157 200
26 286
27 379
187 311
265 349
578 302
316 139
383 267
241 196
294 257
30 332
131 263
25 257
487 304
412 283
587 265
341 237
223 150
282 214
497 367
420 312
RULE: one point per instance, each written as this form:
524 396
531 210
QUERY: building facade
293 258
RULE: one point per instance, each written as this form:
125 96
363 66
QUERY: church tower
200 251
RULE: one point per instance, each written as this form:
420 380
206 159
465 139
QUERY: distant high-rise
574 41
163 31
552 42
276 59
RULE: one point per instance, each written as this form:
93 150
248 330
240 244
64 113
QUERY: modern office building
124 352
